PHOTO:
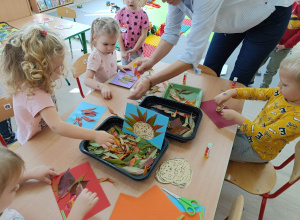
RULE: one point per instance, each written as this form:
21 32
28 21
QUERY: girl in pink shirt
102 62
32 60
134 25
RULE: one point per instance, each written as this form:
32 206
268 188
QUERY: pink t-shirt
27 109
132 23
104 65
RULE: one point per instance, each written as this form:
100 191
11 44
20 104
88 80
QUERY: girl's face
172 2
58 65
132 5
105 44
289 87
8 194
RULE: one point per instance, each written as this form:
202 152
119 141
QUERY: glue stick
136 72
233 82
207 151
184 78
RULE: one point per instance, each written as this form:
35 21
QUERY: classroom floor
286 206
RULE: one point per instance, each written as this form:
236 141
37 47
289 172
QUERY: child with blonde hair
31 62
134 24
102 62
13 174
277 124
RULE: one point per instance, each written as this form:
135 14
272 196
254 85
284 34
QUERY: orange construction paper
152 205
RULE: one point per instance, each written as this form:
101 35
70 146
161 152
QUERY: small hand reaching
104 139
224 96
106 92
42 173
83 204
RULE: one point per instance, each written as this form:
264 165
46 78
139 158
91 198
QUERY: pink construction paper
209 108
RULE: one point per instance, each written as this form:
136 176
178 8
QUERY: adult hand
139 89
104 139
106 92
144 64
280 47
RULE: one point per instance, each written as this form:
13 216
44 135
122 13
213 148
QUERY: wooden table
76 29
36 200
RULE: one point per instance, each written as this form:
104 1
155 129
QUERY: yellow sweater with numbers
277 124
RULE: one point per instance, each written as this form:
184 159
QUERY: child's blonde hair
27 59
292 65
11 167
106 25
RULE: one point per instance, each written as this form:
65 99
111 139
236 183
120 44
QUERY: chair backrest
6 108
237 209
66 12
296 169
79 66
207 70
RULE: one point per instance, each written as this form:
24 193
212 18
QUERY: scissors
188 204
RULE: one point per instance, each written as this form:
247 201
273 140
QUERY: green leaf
115 161
111 155
94 144
151 120
133 170
192 123
127 159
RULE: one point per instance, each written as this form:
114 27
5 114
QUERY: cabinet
14 9
44 5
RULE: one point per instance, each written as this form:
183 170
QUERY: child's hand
224 96
83 204
124 55
42 173
105 139
106 92
229 114
122 68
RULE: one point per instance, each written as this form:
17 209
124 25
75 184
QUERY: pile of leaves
178 95
68 185
133 155
175 126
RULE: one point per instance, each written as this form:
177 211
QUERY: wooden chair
260 179
206 70
6 112
78 68
236 210
68 13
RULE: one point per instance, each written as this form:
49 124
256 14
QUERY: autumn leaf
54 187
106 179
87 118
175 123
111 111
149 162
88 110
66 180
78 187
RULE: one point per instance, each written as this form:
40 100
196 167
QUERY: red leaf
87 119
66 180
175 123
88 110
111 111
89 114
149 162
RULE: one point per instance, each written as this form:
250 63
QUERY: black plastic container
150 101
106 125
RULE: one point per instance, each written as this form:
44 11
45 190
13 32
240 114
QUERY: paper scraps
176 171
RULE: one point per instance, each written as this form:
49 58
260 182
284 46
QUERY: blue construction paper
83 106
160 120
181 208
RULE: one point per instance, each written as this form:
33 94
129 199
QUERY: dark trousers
5 128
258 42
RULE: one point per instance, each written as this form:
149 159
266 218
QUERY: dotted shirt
276 125
131 24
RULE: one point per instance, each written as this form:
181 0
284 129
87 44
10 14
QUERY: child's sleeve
255 93
39 101
94 62
288 126
145 20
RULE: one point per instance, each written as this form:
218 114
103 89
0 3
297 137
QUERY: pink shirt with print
104 65
27 112
132 23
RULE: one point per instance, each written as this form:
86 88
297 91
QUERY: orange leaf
145 170
132 161
124 155
137 149
106 179
111 111
117 142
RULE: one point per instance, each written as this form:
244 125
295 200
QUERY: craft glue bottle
184 78
136 72
207 151
233 82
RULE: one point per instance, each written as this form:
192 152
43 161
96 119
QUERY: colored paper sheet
186 215
93 185
6 31
83 106
209 108
139 122
152 205
120 81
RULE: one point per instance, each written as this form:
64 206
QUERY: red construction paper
93 185
209 108
152 205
